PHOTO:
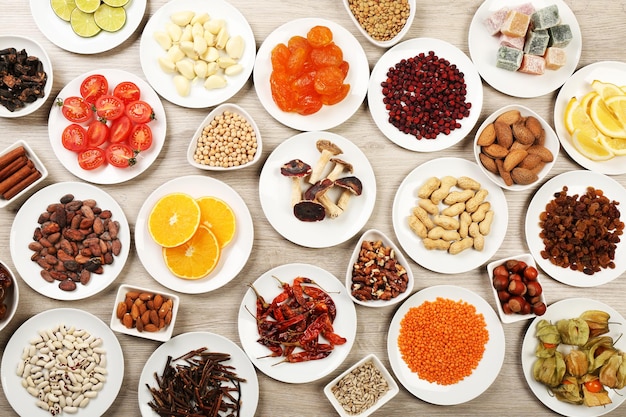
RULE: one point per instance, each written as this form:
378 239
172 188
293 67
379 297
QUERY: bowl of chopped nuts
362 389
383 23
378 274
227 139
9 295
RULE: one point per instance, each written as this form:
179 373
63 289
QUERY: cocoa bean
73 205
50 227
46 275
35 246
106 214
116 247
73 234
75 223
43 217
54 237
84 277
87 212
98 225
59 216
86 223
72 265
67 285
90 202
66 198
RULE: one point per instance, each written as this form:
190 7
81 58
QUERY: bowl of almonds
515 147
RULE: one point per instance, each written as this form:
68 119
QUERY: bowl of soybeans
227 139
384 23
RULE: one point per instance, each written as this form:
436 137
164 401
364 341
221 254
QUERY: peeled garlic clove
225 62
197 31
199 46
187 48
209 38
212 68
233 70
175 54
200 18
174 31
182 84
182 18
211 54
200 68
234 47
163 39
167 65
221 38
185 68
187 35
214 25
214 81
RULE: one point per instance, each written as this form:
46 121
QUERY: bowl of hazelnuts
9 295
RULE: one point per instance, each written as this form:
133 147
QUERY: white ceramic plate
21 401
199 97
484 374
567 309
577 183
108 174
409 49
374 235
183 343
577 86
388 43
60 33
483 48
329 116
438 260
25 223
275 192
32 48
233 257
344 324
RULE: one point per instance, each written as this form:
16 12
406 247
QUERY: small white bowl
376 235
32 48
388 43
551 142
393 387
11 299
162 335
233 108
513 317
38 164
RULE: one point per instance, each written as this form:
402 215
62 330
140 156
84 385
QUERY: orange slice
195 258
219 217
174 219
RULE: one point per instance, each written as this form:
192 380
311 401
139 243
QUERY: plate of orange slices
194 234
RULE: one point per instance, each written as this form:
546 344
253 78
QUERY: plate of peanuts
70 240
90 384
448 216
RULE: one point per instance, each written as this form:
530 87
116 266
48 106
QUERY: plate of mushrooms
317 189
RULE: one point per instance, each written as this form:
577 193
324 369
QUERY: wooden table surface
603 31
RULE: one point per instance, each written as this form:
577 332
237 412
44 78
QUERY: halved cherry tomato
93 87
76 109
97 133
74 138
139 111
109 107
120 129
91 158
120 155
127 91
594 386
140 137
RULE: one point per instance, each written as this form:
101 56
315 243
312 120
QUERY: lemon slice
116 3
586 99
606 90
110 19
617 105
84 24
615 145
590 146
63 8
87 6
604 120
576 116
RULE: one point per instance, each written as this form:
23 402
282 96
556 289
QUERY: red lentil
443 340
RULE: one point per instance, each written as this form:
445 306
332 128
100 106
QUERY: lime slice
63 8
110 18
84 24
87 6
116 3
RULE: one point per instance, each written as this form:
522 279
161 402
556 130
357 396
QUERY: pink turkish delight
495 20
533 64
511 41
526 8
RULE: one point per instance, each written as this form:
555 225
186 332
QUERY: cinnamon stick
8 157
17 188
13 166
18 176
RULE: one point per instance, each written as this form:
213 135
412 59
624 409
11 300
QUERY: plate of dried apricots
323 99
194 234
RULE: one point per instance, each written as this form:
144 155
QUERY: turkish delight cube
515 24
532 64
516 42
495 20
560 35
526 8
555 58
509 58
545 17
536 42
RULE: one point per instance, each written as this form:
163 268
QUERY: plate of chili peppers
297 323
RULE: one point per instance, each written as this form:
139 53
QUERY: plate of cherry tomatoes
107 126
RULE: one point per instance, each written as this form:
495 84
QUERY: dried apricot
309 104
319 36
298 42
328 80
329 55
280 57
330 99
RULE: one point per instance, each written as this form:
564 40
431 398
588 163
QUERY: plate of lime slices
88 26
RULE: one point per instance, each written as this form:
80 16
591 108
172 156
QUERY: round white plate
344 324
275 192
107 174
187 342
32 48
567 309
409 49
199 97
233 257
25 223
577 183
328 116
577 86
483 48
60 32
484 374
21 401
439 260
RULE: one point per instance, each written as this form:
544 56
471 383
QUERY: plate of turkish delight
525 48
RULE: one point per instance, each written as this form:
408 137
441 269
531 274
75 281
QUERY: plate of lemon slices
590 117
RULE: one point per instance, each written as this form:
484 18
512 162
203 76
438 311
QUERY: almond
504 136
509 117
522 134
488 163
513 159
495 151
518 145
487 136
150 328
506 175
543 152
121 310
127 321
531 161
534 125
539 167
523 176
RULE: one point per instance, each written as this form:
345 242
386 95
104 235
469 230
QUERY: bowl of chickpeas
227 139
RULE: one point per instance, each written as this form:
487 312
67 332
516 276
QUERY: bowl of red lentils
227 139
385 22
